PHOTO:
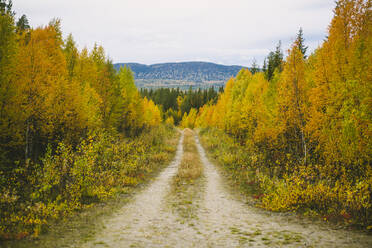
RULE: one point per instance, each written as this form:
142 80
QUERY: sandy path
147 221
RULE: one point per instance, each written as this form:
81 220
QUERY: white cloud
147 31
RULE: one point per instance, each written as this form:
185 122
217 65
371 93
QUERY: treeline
64 118
175 103
303 126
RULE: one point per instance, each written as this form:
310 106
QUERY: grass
190 168
187 182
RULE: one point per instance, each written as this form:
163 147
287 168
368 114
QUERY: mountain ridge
191 71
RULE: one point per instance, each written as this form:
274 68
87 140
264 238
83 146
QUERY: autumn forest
294 135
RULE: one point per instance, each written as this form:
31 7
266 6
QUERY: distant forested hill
186 71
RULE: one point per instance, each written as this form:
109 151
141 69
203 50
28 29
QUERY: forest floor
206 213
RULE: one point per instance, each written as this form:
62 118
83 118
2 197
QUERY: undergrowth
297 190
68 180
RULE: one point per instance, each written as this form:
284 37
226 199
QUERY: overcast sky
156 31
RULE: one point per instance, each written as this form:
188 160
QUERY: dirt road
222 220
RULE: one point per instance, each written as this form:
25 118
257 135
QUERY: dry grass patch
187 182
190 168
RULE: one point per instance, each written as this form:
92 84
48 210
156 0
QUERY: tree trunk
27 138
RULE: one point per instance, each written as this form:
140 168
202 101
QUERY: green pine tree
22 24
274 61
300 41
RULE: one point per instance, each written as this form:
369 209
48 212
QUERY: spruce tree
254 67
300 43
264 67
22 24
274 61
